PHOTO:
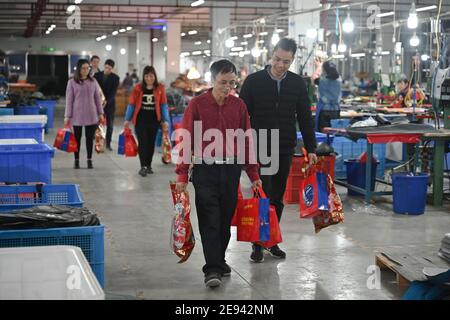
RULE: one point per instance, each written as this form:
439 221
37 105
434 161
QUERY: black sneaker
149 170
213 279
109 147
76 164
89 164
257 254
276 252
143 171
226 270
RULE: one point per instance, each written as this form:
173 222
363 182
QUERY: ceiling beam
35 16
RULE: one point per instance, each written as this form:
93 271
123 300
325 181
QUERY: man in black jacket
109 82
275 97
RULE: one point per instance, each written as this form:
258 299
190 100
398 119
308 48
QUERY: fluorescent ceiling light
244 43
265 33
426 8
197 3
248 35
358 55
279 30
234 38
191 32
185 54
237 49
197 43
122 30
385 14
78 1
129 28
196 53
234 54
155 40
183 34
115 33
208 41
338 56
71 8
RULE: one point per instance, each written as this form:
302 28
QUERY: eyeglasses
231 83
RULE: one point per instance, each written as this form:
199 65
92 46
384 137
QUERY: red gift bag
239 197
335 212
131 147
275 232
182 240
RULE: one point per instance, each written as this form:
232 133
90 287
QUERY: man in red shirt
217 166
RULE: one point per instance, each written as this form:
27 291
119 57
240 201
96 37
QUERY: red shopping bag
59 139
166 144
182 240
72 146
65 140
239 197
308 197
275 231
127 144
251 223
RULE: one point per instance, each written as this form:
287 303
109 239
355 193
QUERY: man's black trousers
109 116
275 185
215 199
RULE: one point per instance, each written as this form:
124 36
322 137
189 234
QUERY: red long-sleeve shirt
231 115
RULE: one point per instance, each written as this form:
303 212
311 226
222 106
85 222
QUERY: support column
220 21
298 25
143 50
122 59
173 51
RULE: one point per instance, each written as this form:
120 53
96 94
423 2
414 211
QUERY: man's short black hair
95 57
286 44
222 66
110 62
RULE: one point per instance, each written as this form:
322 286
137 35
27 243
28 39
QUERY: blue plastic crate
50 105
320 137
19 197
22 131
6 111
26 163
89 239
340 123
24 110
347 149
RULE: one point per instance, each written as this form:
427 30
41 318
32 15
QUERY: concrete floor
329 265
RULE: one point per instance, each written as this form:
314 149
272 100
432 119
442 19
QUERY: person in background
402 89
109 82
216 178
327 78
83 109
275 98
135 77
95 62
127 83
147 107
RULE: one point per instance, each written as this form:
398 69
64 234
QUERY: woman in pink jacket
83 108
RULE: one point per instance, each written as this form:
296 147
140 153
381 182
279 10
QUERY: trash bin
409 192
356 175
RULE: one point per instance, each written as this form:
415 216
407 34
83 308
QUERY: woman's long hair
147 70
77 74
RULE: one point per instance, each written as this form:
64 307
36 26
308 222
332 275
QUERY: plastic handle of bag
259 193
